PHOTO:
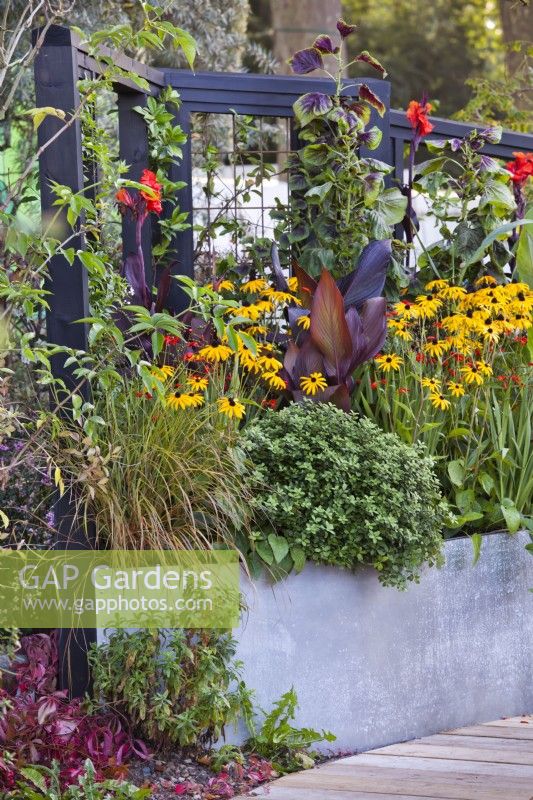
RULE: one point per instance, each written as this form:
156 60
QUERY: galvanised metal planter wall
378 666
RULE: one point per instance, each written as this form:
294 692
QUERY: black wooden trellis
60 63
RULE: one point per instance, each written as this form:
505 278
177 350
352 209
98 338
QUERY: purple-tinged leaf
340 397
455 144
368 279
374 322
492 135
133 271
305 61
345 29
329 330
312 104
366 94
371 61
279 278
308 360
294 315
324 44
371 138
488 164
163 288
361 110
289 363
306 284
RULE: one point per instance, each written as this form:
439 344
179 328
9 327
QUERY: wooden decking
484 762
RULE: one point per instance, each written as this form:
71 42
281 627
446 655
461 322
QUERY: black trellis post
56 76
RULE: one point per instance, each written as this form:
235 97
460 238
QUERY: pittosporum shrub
336 489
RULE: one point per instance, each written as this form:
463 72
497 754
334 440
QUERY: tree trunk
517 25
297 23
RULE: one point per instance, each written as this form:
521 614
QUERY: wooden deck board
481 762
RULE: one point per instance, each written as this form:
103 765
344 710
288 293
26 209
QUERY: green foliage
338 200
281 742
41 782
150 475
182 690
335 489
470 197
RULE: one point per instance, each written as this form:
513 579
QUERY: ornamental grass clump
335 489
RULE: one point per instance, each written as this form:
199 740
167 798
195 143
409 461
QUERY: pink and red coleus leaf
366 94
365 57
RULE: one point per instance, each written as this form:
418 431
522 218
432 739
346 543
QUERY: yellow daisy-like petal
440 401
222 286
431 383
251 312
292 283
231 407
249 361
388 362
274 380
281 298
256 330
406 309
304 322
437 349
436 286
198 382
255 286
162 373
484 368
452 293
428 305
312 383
269 363
472 374
456 389
183 400
264 305
486 280
216 353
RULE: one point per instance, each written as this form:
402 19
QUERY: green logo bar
119 589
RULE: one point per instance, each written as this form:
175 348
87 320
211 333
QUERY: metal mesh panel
239 178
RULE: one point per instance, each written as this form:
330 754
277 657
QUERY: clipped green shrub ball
334 488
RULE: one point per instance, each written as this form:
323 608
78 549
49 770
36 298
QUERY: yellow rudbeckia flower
312 383
231 407
389 361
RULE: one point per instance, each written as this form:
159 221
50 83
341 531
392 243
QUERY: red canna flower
124 198
149 178
521 168
417 114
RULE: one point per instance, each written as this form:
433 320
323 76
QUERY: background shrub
336 489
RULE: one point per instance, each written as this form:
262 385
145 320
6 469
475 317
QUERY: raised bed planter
378 666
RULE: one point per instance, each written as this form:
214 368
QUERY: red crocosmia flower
417 114
374 385
148 178
521 168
